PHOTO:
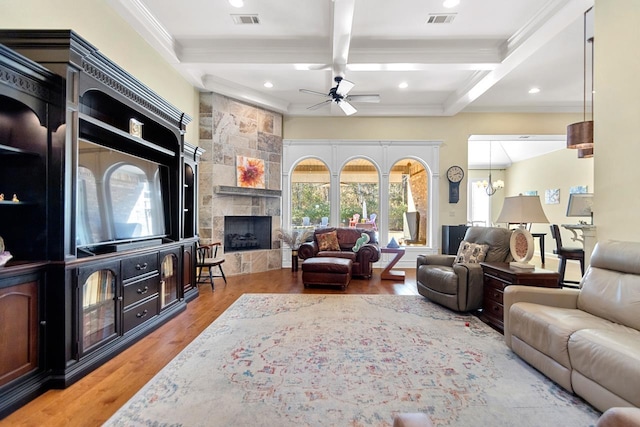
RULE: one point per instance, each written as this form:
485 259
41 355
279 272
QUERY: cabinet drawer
139 265
493 309
493 283
140 290
493 294
139 314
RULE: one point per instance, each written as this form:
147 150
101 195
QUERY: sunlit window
359 194
408 202
310 189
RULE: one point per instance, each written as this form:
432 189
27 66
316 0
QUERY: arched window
310 189
359 194
408 202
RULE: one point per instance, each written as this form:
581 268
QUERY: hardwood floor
93 399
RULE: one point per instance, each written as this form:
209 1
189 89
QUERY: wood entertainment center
103 236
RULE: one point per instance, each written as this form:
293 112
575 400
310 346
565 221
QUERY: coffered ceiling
487 58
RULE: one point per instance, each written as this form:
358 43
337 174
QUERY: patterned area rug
348 360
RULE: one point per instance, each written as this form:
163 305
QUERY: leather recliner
459 286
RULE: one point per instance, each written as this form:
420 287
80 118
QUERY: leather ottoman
326 271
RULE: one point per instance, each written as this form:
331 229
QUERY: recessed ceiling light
268 84
403 85
236 3
450 3
534 90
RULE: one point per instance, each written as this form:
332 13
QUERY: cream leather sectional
586 340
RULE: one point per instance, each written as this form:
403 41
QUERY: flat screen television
121 198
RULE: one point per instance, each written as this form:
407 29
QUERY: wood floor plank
97 396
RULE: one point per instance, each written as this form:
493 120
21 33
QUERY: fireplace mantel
243 191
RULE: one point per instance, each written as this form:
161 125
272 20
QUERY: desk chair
208 258
565 253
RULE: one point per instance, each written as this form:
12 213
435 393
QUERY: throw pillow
471 252
363 240
328 241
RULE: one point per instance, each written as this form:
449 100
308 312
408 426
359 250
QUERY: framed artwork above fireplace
250 172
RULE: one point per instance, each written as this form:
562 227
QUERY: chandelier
490 186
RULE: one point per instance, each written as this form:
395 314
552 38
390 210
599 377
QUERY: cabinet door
169 277
98 306
188 268
18 330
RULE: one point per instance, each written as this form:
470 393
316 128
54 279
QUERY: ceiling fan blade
344 87
316 106
347 108
313 92
363 98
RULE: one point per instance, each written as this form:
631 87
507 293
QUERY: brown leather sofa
459 286
362 261
587 340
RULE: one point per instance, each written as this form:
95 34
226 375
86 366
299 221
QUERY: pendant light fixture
580 134
490 187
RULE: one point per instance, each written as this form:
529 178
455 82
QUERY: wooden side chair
564 253
208 259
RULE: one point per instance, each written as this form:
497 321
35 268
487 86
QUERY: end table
497 276
387 273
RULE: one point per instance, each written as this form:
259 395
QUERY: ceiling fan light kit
340 95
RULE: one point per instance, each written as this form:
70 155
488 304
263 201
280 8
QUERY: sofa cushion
610 358
338 254
498 240
547 329
471 252
328 241
441 278
611 295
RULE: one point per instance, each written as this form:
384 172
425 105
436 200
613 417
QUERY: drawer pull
496 308
496 295
141 315
143 291
142 266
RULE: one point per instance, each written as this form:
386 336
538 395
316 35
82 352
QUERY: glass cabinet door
168 279
98 322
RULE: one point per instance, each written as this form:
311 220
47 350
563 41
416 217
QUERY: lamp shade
522 210
580 135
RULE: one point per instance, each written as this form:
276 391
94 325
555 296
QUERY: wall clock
454 175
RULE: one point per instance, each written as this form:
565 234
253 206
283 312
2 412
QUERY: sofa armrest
369 251
553 297
620 417
308 250
435 259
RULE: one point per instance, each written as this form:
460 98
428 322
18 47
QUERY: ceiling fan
340 95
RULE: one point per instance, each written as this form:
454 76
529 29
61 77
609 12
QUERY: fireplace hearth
247 233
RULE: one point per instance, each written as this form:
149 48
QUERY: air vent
440 18
245 19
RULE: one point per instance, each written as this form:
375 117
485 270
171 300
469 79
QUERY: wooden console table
497 276
387 273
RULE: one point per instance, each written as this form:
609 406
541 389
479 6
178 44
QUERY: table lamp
522 210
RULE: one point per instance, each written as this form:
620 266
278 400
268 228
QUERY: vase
294 260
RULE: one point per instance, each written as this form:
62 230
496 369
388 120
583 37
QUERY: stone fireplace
230 128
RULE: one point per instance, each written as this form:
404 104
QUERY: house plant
293 239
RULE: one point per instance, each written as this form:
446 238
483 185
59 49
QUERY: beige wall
453 131
616 118
101 26
558 170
